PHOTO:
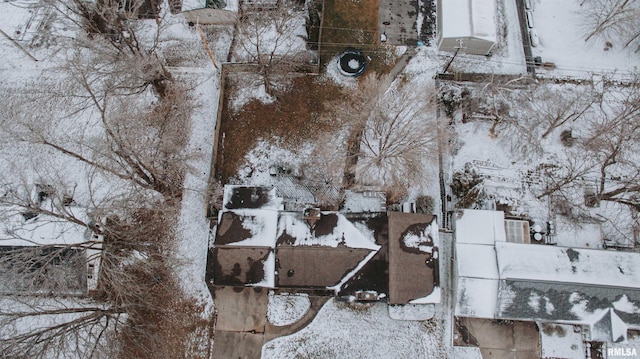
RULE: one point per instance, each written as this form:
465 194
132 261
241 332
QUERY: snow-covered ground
562 30
362 331
560 341
514 157
193 69
193 226
286 309
411 311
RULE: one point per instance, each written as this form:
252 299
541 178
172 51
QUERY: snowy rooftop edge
557 264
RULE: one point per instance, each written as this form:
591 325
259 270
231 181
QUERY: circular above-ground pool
352 62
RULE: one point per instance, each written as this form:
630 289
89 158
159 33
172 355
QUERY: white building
498 277
466 24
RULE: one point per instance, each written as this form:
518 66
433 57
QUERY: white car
527 4
529 15
533 36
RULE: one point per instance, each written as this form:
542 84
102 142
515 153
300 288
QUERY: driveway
241 325
398 20
526 42
499 339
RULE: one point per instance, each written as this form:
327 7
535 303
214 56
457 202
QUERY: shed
466 24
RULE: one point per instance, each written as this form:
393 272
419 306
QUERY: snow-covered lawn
561 29
363 331
193 226
526 166
286 309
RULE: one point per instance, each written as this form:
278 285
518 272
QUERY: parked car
533 36
527 4
529 15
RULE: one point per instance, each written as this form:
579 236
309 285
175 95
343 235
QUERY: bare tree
602 166
543 108
399 139
492 100
272 35
52 311
132 138
613 20
112 22
106 143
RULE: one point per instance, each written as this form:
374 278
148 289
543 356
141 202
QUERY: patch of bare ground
297 116
354 24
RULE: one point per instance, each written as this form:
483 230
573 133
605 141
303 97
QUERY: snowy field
364 331
561 28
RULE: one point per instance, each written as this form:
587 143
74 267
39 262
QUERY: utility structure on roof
472 22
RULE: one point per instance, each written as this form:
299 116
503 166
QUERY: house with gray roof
595 290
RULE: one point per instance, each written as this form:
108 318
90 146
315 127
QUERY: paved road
526 42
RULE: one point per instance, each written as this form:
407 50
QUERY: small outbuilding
469 25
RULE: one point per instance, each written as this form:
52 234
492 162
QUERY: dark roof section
231 230
247 197
239 265
315 266
413 274
552 301
33 270
374 275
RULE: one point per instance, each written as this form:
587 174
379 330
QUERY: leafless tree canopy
613 21
399 139
103 161
270 35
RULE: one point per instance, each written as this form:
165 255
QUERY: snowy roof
560 341
193 4
331 230
42 230
556 264
480 227
326 253
247 227
547 283
17 230
468 18
249 217
413 256
187 5
559 302
250 197
610 328
476 297
477 261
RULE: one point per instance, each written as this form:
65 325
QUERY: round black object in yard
352 62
